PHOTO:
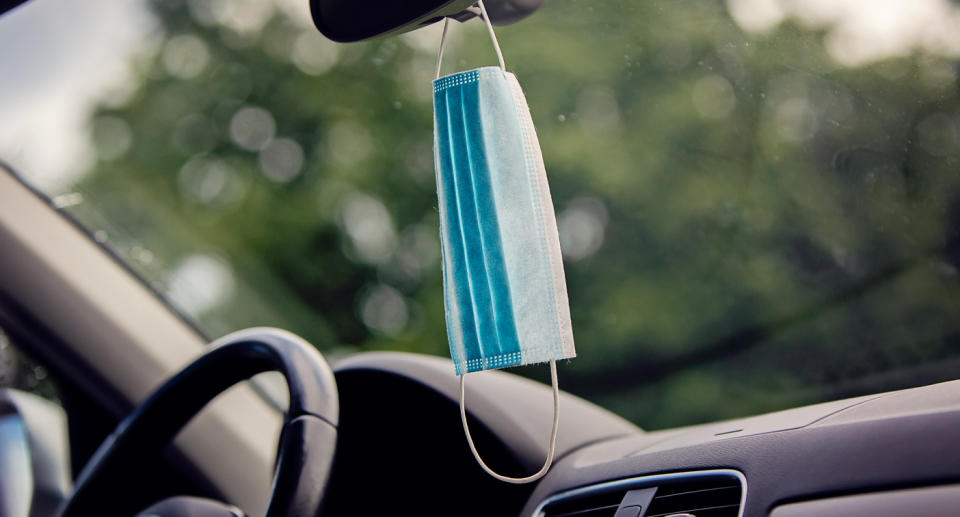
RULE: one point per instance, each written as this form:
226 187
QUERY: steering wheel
307 442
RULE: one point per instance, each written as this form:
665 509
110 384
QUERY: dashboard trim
646 480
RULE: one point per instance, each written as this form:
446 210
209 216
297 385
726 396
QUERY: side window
19 372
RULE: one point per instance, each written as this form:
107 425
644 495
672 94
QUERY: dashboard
401 438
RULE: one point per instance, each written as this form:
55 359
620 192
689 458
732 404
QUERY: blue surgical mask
504 288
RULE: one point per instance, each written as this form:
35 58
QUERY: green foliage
777 229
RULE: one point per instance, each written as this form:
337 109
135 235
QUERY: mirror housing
34 455
357 20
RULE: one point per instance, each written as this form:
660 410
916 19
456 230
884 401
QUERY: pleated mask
504 289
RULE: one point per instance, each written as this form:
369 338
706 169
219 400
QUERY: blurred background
758 200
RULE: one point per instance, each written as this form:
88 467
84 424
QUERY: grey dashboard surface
400 431
941 501
517 410
887 441
882 442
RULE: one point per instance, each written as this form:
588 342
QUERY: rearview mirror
356 20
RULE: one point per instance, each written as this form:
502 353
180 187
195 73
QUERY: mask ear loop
553 433
443 43
493 38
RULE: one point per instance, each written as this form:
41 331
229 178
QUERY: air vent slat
669 489
599 512
600 504
590 512
703 512
704 494
691 501
701 491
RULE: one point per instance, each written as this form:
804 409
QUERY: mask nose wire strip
553 433
493 38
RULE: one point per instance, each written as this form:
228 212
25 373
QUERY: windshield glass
758 200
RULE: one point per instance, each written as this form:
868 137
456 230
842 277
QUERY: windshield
758 200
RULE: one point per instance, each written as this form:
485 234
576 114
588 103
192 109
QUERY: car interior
154 416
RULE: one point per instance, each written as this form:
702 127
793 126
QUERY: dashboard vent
703 498
593 505
713 493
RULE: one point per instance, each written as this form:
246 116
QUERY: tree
748 223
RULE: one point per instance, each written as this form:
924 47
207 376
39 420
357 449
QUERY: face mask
504 289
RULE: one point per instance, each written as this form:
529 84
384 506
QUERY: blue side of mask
504 288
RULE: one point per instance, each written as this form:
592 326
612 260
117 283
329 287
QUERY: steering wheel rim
307 442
